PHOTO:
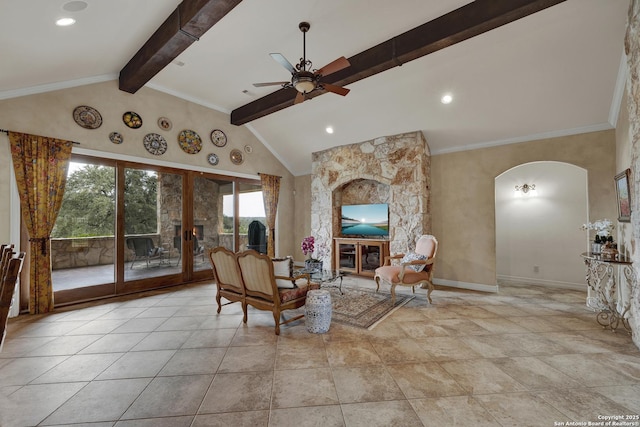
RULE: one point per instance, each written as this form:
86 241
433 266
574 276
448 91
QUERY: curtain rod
7 133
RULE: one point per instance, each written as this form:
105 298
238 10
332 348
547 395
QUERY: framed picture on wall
623 195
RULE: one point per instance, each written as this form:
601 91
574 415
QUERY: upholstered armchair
415 268
228 279
262 290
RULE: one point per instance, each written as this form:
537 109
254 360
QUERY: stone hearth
391 169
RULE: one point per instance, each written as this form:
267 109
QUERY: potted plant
603 229
308 247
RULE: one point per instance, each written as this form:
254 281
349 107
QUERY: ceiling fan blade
270 84
335 89
299 98
283 61
334 66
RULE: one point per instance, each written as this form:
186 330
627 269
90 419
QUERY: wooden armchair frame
262 291
228 279
402 275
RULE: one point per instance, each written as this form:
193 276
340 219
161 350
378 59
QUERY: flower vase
313 265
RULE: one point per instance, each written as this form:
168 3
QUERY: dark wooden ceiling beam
186 24
461 24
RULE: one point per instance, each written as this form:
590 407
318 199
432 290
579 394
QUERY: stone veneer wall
391 169
632 49
207 208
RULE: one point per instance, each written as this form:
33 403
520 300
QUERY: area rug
363 308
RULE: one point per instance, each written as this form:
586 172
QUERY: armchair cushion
283 267
391 274
287 295
412 256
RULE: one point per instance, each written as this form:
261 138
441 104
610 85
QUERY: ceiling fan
303 78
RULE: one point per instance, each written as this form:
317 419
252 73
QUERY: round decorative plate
218 138
155 144
131 119
212 159
87 117
164 123
190 141
248 149
236 157
116 137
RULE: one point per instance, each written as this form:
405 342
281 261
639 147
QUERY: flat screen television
365 220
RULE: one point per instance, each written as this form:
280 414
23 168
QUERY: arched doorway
538 236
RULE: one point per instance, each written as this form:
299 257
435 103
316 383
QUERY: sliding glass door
126 227
83 250
152 225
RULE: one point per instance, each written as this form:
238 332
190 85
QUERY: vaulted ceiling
554 72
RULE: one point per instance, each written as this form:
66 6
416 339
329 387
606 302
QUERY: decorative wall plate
131 119
248 149
236 156
164 123
212 159
116 137
190 141
155 144
87 117
218 138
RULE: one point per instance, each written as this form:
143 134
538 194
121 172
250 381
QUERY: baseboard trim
466 285
541 282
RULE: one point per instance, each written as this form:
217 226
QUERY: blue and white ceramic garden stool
318 311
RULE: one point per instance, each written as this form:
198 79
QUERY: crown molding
525 138
618 91
50 87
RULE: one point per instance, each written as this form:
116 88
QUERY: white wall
541 229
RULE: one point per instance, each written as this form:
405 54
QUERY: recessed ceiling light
75 6
329 129
446 99
65 22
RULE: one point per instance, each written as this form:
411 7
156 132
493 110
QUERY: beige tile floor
527 356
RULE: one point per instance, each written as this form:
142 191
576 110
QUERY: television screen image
365 220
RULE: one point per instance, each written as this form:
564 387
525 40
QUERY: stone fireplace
391 169
632 50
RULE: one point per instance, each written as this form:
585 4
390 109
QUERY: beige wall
302 225
50 114
463 207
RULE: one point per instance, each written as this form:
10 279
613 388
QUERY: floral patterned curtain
270 193
40 164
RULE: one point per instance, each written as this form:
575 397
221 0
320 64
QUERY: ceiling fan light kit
303 79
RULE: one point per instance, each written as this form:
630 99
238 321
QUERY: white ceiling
553 73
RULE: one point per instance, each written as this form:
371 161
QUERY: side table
318 311
610 289
324 277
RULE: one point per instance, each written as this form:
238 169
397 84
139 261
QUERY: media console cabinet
359 256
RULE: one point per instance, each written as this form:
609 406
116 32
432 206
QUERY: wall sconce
525 188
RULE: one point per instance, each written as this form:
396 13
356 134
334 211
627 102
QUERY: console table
611 282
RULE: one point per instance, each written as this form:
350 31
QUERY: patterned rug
362 307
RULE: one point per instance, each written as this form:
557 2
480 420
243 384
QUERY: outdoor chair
416 268
197 249
144 249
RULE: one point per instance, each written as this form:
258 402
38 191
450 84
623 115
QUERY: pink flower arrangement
308 246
